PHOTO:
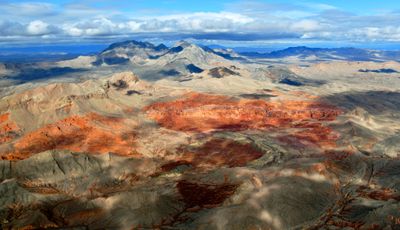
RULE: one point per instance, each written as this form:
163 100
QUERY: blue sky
233 23
356 6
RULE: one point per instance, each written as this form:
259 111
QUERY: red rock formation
205 195
202 113
311 134
332 155
8 128
215 153
222 152
91 133
83 216
384 194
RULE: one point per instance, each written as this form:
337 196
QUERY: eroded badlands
180 158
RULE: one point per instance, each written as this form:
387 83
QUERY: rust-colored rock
8 128
203 113
337 155
84 216
91 133
384 194
222 152
311 134
205 195
216 153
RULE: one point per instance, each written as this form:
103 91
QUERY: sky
368 23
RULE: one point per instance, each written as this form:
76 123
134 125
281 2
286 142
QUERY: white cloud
38 27
197 22
306 25
388 33
232 17
246 20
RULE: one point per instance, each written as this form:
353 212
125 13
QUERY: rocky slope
129 51
122 153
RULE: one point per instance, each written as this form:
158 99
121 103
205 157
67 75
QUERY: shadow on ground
374 102
35 74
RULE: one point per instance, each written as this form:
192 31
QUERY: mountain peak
161 47
183 44
180 46
130 44
121 52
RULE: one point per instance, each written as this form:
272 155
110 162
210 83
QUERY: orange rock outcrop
8 128
89 133
203 113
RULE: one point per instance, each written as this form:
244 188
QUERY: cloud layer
240 21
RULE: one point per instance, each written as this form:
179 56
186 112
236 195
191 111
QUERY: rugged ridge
124 52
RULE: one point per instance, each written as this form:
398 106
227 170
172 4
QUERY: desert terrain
145 136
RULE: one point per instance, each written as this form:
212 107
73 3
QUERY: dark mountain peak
161 47
120 52
131 44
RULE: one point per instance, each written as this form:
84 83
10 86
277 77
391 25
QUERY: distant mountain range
183 59
158 61
322 54
136 51
123 52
